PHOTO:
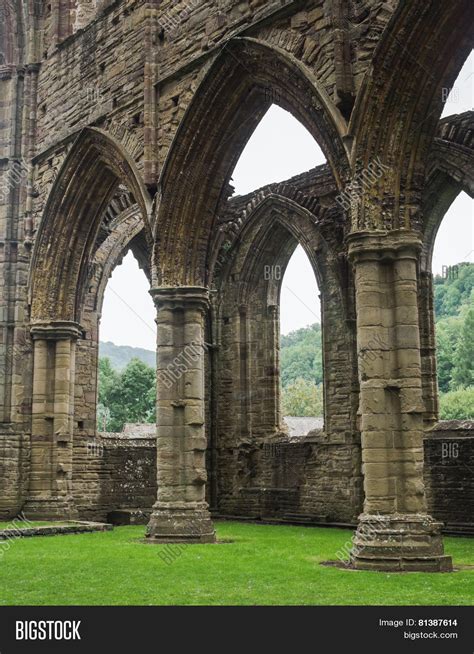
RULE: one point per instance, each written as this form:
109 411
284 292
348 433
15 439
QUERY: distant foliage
127 396
457 405
301 356
454 290
447 337
463 370
454 314
302 398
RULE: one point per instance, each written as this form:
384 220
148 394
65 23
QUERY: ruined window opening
127 332
301 352
279 149
453 308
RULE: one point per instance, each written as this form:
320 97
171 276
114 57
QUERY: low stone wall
449 474
116 471
71 527
310 479
314 478
14 470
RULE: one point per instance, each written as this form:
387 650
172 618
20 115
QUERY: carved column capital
55 330
176 298
384 245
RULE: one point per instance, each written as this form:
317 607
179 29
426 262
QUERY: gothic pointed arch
245 79
66 238
450 171
249 279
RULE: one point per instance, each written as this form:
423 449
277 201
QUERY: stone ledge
464 429
72 527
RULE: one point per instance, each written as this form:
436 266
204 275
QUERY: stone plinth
399 543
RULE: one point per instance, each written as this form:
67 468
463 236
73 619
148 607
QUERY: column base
180 525
51 508
399 543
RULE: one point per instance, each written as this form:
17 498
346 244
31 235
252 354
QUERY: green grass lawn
264 564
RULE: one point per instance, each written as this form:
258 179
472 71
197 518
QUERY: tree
463 369
457 405
302 398
453 291
447 334
108 379
128 396
301 356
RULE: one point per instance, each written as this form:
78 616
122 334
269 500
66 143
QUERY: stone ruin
120 124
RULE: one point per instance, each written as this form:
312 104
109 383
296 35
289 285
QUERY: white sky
279 148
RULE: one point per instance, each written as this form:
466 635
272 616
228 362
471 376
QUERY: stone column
428 349
181 513
50 492
272 397
394 532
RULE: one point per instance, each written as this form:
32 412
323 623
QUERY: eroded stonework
120 124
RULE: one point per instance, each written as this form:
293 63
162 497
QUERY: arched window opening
126 393
453 281
279 148
301 357
277 378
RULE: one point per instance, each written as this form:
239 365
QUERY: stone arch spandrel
239 87
86 183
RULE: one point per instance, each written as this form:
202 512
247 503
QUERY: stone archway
62 256
122 230
450 171
244 80
246 310
240 85
421 53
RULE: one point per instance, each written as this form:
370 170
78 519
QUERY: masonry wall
303 480
132 70
449 473
300 479
327 480
118 471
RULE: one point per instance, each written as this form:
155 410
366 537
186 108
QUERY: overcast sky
279 148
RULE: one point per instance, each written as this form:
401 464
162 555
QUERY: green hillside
121 355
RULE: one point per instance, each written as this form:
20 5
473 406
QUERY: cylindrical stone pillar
50 492
394 532
181 513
